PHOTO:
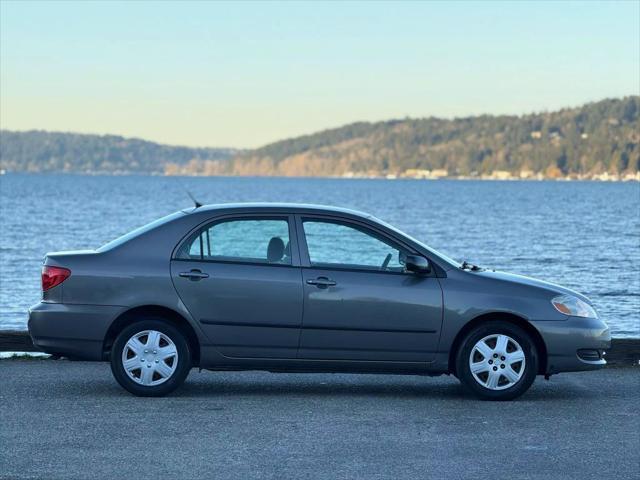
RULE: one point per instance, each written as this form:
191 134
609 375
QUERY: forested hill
591 139
41 151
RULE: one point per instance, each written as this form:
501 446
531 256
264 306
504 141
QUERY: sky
248 73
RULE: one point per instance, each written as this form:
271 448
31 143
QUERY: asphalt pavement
62 419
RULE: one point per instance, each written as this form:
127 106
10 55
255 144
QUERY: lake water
584 235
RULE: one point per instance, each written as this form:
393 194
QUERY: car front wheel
150 358
497 361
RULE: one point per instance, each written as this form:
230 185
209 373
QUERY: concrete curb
624 352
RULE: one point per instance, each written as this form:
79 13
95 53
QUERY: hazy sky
245 74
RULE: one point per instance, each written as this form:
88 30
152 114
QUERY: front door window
332 244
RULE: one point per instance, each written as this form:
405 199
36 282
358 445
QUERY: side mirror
417 264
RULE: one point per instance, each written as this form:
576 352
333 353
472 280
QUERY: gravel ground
62 419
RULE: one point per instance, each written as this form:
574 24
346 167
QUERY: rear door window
264 241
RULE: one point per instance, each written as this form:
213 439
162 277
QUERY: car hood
531 282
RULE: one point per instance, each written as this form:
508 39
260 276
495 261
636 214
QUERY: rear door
359 303
240 278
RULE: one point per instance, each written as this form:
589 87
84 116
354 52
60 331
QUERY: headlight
570 305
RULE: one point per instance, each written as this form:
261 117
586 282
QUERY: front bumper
76 331
575 344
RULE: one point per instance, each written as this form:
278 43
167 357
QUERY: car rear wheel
497 361
150 358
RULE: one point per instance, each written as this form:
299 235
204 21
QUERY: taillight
52 276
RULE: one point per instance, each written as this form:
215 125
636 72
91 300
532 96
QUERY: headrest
275 250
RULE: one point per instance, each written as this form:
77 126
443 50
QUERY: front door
359 303
238 278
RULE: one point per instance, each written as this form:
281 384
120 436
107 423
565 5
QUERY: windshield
441 256
138 231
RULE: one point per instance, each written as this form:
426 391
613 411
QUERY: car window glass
255 241
337 244
195 248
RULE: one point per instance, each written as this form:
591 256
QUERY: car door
240 278
359 303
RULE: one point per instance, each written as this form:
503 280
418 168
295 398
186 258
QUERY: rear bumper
76 331
575 344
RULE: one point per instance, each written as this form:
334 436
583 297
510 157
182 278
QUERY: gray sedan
287 287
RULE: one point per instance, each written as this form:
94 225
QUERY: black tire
183 358
463 369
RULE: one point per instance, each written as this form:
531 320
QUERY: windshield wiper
470 266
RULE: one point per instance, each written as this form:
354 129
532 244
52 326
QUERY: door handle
321 282
194 275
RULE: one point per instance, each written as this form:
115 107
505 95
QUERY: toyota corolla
300 288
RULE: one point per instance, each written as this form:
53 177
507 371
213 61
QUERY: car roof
278 206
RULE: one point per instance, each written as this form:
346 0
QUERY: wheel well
505 317
130 316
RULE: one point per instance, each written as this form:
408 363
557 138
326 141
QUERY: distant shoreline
501 177
593 141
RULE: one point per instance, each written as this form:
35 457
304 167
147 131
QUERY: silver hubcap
497 362
150 358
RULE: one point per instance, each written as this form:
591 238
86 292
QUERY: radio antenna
196 202
184 187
